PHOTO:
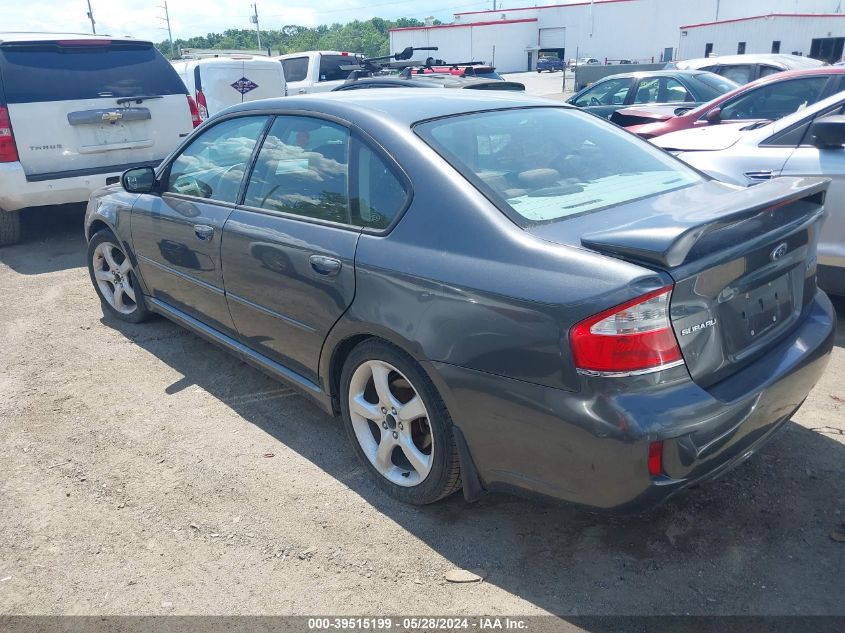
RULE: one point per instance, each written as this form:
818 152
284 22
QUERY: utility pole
91 17
166 18
254 19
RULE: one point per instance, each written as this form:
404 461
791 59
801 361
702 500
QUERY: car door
660 89
296 73
177 231
289 250
809 160
605 97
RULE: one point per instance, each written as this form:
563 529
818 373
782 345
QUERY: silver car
810 142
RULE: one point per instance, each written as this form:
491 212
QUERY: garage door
553 38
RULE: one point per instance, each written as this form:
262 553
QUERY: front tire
10 227
114 279
398 424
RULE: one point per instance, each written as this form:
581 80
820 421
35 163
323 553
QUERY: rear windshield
545 164
50 72
330 67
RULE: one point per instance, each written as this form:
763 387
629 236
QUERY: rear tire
10 227
114 279
398 424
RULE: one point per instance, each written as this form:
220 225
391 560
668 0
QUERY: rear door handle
328 266
203 232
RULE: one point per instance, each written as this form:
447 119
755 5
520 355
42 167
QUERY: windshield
544 164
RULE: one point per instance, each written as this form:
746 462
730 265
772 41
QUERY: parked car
807 143
76 111
771 97
551 64
430 81
218 82
617 328
744 69
315 71
584 61
481 71
691 87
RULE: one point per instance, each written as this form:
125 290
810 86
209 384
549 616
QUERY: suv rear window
545 164
330 67
41 72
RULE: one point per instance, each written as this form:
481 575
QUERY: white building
642 30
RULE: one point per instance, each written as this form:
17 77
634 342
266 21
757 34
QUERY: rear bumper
590 447
18 192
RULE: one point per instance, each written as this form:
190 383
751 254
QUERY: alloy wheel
391 423
114 277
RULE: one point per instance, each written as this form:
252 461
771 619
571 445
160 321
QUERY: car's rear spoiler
667 239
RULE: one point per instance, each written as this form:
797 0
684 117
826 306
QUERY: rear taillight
203 105
8 149
655 458
196 119
633 337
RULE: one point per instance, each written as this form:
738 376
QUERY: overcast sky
198 17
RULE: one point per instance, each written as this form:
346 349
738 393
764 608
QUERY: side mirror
139 180
828 132
714 116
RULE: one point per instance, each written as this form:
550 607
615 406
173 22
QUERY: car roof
778 59
428 80
658 73
400 106
29 36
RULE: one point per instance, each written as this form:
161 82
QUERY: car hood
711 138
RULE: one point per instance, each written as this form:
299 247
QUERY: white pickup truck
315 71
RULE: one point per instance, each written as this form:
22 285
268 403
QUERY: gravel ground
147 472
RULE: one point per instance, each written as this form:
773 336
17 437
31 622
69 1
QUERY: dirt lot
138 479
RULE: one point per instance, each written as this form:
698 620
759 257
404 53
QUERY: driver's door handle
203 232
327 266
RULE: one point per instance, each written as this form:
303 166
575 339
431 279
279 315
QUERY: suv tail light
203 105
634 337
196 119
8 149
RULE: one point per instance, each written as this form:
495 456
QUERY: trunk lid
82 105
743 262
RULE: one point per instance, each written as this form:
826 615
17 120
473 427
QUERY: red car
459 70
769 98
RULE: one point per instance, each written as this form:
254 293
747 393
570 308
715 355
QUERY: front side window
545 164
774 101
302 168
296 68
610 92
213 165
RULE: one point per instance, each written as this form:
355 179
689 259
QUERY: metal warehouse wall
794 34
500 44
614 29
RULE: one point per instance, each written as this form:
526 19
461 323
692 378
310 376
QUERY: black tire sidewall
437 484
141 312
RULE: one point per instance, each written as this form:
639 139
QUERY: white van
219 82
78 110
315 71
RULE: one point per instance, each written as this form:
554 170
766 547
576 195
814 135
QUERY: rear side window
302 169
296 68
718 84
330 67
34 73
381 193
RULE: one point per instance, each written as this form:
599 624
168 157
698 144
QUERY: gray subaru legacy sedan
493 291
